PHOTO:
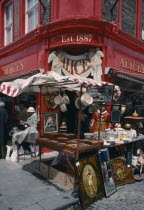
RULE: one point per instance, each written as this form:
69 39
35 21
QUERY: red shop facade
74 31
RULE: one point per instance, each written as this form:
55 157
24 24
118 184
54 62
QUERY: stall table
61 147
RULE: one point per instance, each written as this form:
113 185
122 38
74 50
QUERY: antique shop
85 78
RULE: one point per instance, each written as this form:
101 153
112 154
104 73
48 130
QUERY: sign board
102 94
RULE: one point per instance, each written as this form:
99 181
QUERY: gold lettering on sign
122 63
13 69
133 66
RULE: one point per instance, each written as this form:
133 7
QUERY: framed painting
89 180
106 171
122 172
50 122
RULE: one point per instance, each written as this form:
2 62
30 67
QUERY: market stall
86 153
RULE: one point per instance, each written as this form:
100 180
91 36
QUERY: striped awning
40 81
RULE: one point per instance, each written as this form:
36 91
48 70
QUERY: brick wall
46 12
16 19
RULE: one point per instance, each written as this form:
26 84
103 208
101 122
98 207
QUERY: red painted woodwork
119 12
67 40
76 9
139 19
1 26
22 18
20 66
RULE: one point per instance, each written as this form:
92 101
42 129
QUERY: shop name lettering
130 65
13 69
76 38
76 66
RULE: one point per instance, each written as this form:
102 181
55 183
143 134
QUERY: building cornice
104 28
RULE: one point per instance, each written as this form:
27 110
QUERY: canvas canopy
50 82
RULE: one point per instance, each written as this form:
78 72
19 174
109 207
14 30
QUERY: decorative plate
49 99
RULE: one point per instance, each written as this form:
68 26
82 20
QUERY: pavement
23 188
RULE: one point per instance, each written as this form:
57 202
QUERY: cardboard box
58 176
44 169
70 181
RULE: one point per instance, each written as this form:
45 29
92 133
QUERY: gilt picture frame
122 172
106 171
90 182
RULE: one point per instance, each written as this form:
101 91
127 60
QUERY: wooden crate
44 169
70 181
58 176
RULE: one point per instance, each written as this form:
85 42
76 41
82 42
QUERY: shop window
8 23
31 15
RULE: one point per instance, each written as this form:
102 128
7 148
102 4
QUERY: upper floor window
8 23
31 14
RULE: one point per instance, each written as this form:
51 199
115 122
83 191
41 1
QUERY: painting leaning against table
107 173
89 180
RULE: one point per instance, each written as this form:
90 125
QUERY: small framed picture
107 173
89 180
50 122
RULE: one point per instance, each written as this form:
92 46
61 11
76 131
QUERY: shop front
83 103
100 152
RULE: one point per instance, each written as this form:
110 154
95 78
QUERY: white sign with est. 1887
77 38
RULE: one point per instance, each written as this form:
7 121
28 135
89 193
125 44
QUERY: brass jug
135 114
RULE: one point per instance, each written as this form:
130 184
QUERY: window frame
26 15
10 24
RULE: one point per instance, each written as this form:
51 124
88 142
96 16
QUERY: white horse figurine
140 160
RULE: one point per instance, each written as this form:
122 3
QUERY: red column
98 9
1 26
119 13
139 19
22 18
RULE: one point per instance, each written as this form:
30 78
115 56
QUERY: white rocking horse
140 160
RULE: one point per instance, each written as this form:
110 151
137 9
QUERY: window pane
8 35
31 3
35 1
36 16
129 17
32 14
30 21
8 12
